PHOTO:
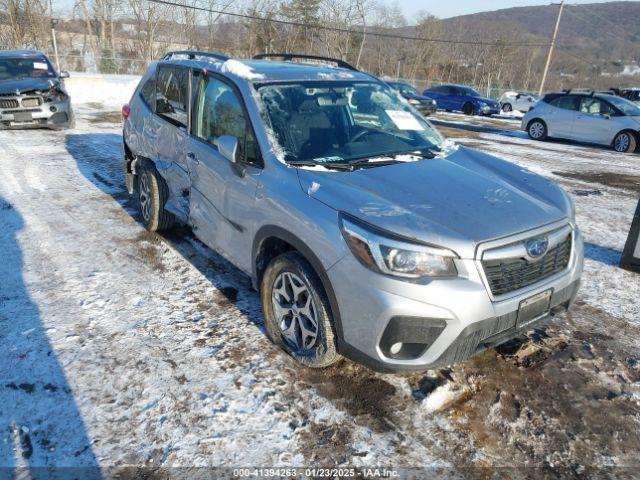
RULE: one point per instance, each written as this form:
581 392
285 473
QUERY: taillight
126 111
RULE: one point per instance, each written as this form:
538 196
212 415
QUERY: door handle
192 156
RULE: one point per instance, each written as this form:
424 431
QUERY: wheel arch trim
273 231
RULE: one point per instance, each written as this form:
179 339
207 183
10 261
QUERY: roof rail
292 56
191 54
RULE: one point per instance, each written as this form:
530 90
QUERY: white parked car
586 117
517 101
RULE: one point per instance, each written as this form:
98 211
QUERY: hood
458 201
421 98
27 84
488 101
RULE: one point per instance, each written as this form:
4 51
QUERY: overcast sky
444 9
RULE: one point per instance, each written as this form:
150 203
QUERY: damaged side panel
179 184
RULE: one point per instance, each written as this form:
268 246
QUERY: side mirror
606 116
64 74
228 147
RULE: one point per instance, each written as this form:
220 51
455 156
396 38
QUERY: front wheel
296 311
507 108
537 130
625 142
467 109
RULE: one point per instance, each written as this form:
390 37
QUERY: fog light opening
395 348
53 109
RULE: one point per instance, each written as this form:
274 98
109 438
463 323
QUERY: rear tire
153 194
537 129
297 315
625 142
467 109
507 108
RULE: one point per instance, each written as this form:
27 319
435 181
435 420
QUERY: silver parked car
366 233
32 93
587 117
517 101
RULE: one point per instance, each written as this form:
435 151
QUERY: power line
349 31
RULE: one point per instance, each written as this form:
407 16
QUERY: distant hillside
601 31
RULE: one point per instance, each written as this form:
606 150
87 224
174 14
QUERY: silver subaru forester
366 233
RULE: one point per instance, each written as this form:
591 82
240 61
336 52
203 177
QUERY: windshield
625 106
338 122
25 67
469 92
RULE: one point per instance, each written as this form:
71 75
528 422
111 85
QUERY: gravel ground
122 348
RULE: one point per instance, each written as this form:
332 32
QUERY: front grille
507 275
9 103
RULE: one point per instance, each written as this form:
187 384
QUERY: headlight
413 101
397 257
54 95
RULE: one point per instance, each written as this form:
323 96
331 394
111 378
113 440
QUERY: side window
595 106
566 102
219 112
148 92
172 94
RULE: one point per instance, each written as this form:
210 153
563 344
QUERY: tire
289 310
152 195
624 142
467 109
537 129
507 107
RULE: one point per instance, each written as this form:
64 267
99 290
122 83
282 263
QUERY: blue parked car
463 99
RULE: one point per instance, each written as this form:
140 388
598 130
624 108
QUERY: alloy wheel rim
536 130
622 143
295 311
145 197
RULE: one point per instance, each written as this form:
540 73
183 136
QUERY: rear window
172 91
148 92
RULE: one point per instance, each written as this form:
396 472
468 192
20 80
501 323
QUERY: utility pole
553 44
54 22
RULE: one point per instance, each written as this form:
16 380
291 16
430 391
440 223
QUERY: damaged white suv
367 235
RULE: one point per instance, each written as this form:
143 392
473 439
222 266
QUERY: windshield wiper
311 163
425 153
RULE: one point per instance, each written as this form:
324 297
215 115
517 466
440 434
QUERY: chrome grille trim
9 103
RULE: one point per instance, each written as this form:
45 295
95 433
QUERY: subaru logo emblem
536 247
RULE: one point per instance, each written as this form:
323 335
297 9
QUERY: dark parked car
462 99
32 93
426 105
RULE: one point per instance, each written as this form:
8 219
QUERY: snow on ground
119 347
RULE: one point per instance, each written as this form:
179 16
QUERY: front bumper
17 115
442 321
488 111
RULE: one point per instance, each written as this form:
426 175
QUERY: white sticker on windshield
404 120
40 66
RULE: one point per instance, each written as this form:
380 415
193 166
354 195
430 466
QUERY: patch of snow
630 70
335 76
240 70
441 397
111 91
